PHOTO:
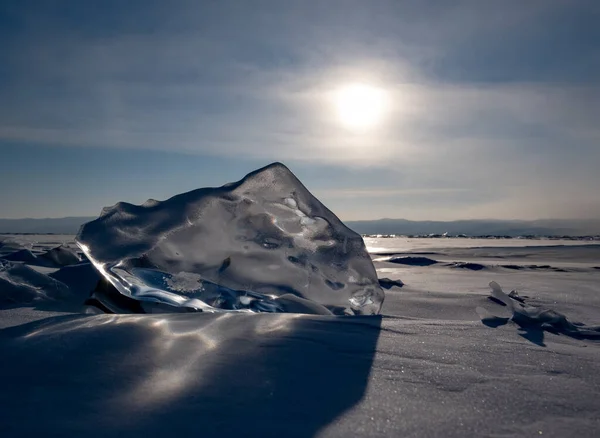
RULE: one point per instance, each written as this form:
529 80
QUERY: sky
492 107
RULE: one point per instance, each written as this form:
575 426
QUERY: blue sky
494 106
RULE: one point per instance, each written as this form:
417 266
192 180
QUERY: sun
360 106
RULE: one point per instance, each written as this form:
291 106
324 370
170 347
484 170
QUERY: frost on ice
263 244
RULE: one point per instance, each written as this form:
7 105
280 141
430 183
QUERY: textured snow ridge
263 244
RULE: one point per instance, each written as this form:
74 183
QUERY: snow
427 366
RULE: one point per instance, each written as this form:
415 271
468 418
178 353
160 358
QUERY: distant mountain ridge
479 227
546 227
65 225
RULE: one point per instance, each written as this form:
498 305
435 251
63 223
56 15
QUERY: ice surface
263 244
412 261
387 283
529 317
20 285
55 257
61 256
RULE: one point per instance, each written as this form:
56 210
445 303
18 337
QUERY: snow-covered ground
428 366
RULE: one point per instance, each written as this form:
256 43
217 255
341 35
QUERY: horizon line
358 220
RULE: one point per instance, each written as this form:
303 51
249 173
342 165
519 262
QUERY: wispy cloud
254 82
387 192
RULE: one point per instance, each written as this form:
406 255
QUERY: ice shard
262 244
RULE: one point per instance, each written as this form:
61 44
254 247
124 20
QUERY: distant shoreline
591 238
476 228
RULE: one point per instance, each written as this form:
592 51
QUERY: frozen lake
428 366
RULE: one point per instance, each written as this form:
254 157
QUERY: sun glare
360 106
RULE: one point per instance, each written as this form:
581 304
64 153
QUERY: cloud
256 86
253 82
286 115
386 192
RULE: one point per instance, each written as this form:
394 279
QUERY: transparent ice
263 244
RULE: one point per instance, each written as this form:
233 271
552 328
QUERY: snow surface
428 366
